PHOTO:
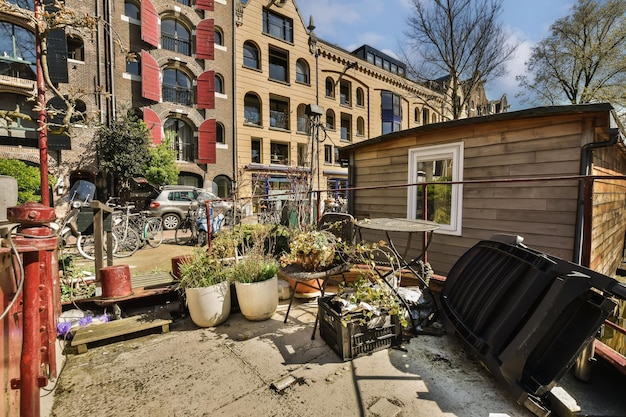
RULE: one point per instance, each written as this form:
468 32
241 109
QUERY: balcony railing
177 95
171 43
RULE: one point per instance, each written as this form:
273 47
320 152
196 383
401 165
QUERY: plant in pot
256 284
312 253
204 278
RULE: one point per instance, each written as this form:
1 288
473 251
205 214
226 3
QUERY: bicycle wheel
184 232
153 231
127 243
87 248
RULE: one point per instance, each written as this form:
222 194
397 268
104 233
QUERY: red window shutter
206 90
205 39
149 23
150 77
206 142
154 125
205 5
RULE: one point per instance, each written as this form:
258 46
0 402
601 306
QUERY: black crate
356 340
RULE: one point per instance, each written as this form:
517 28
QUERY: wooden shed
554 175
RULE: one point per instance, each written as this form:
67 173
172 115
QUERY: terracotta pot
176 261
304 287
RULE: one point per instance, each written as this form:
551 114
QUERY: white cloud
516 66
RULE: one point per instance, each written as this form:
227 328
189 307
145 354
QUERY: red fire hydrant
41 302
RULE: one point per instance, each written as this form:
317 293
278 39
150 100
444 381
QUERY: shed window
433 164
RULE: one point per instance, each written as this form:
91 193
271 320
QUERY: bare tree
458 46
583 60
51 16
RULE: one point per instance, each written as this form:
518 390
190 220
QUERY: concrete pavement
270 368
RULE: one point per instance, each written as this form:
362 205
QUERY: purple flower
85 321
64 329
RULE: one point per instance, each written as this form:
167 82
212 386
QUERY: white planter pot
258 300
209 306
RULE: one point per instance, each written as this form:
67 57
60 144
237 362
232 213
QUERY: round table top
296 272
398 225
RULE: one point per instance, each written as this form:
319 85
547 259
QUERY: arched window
219 84
330 87
251 56
252 109
180 135
132 10
360 126
219 37
434 118
219 133
224 186
303 121
175 36
80 112
330 119
416 115
75 48
17 51
302 72
425 116
176 87
360 97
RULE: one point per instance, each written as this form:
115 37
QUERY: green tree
122 148
162 168
459 41
583 60
28 179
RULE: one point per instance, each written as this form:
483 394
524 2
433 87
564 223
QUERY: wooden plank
115 328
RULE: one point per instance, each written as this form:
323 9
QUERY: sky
383 24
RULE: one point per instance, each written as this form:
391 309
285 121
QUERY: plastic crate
356 340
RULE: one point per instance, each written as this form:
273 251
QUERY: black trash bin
526 314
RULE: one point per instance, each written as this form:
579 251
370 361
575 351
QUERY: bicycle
86 245
269 214
187 229
128 240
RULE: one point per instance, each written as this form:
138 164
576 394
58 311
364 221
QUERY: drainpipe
582 220
234 91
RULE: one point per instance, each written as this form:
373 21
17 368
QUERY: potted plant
312 250
256 284
205 281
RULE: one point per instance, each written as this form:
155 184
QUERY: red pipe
29 362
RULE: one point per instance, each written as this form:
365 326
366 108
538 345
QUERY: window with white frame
434 164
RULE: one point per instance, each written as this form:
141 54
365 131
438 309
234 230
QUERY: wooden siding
609 212
543 212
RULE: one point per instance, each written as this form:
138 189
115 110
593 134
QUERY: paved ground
233 370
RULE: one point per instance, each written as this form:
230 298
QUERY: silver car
173 201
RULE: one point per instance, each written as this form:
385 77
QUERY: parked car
172 202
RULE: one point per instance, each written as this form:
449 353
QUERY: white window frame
452 151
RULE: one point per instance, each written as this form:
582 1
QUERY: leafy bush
28 179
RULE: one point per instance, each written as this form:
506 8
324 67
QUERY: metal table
322 278
410 227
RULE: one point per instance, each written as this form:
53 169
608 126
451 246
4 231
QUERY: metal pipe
585 168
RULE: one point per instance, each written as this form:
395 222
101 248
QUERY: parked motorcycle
80 195
202 223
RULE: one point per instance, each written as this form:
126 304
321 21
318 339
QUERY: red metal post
37 246
41 115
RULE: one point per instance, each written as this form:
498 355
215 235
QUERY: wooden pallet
107 331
